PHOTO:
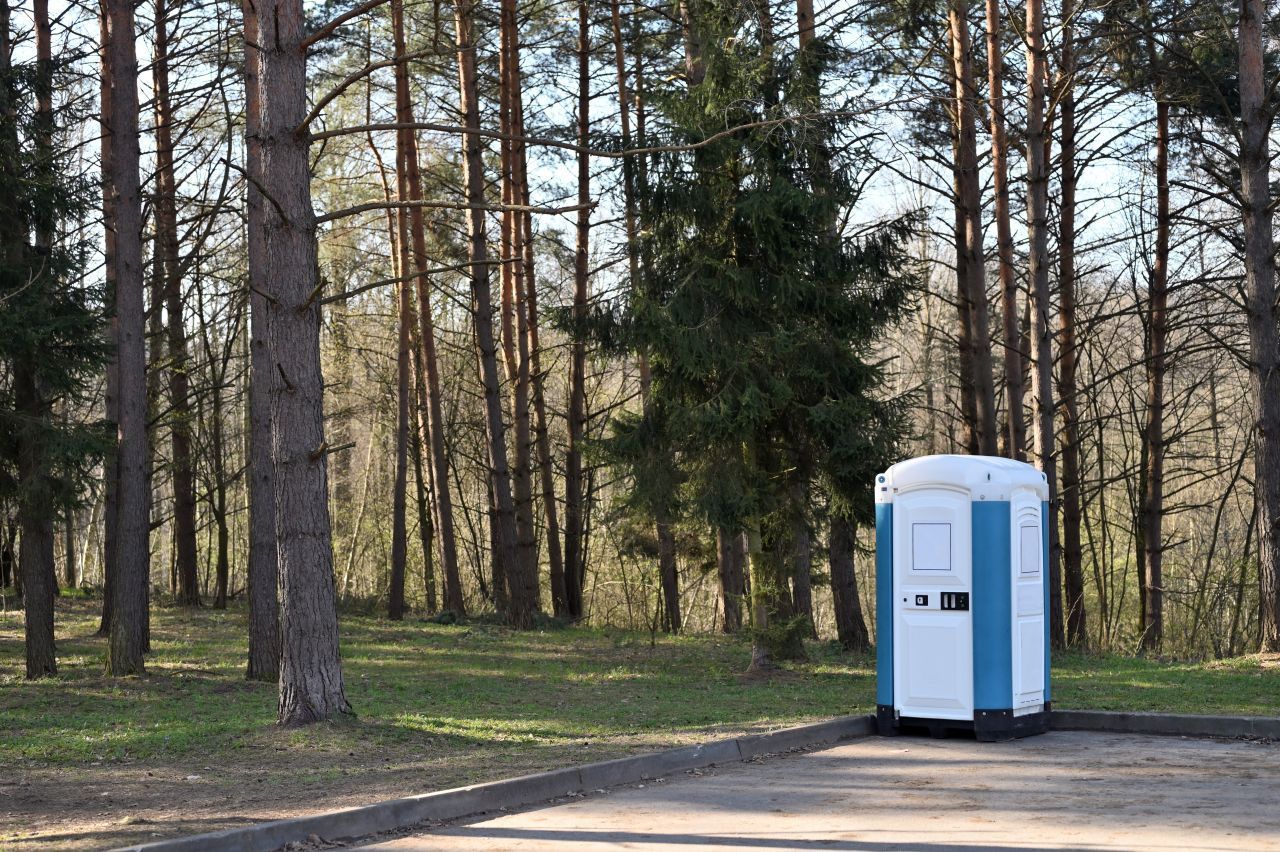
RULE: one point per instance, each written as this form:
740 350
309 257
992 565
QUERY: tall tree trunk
541 434
969 200
1016 431
805 22
851 627
575 570
264 574
69 566
222 555
524 599
969 432
435 424
1260 307
729 568
1038 275
514 315
166 219
425 531
399 525
128 638
1152 506
111 401
311 687
1072 554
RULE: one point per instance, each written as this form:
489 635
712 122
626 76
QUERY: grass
194 744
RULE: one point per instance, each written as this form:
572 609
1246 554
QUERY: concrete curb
1168 724
511 793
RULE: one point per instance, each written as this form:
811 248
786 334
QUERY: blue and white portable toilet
961 596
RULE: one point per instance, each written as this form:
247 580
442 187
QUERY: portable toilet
961 596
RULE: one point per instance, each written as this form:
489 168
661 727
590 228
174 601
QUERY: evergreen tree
757 314
51 342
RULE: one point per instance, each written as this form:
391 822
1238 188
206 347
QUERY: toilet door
1028 603
933 626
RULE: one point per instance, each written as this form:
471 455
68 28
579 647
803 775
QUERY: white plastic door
1028 602
933 646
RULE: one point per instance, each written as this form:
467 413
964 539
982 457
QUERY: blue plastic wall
884 604
992 605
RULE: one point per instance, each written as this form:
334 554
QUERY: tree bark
729 568
1260 307
851 627
1038 275
311 685
1152 506
514 315
1072 553
541 434
433 437
128 636
426 532
166 220
574 498
1016 426
404 311
524 599
969 201
111 406
264 574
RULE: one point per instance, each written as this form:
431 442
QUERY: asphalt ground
1061 790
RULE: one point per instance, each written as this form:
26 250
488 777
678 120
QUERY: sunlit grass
422 686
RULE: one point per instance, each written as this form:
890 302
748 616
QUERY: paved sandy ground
1063 790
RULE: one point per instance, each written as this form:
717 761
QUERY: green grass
451 685
1247 685
438 706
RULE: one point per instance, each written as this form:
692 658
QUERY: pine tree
756 314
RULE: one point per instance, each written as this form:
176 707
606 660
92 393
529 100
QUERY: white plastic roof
984 477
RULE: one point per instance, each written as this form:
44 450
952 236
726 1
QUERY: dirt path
1063 790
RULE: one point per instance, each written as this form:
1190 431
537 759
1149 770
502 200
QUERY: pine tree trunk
111 400
514 315
524 600
575 570
969 200
433 437
1038 275
264 574
851 627
1016 428
1260 306
1152 510
1072 553
128 638
426 533
404 319
964 324
166 220
311 687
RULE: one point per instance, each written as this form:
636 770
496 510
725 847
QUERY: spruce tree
51 342
757 313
